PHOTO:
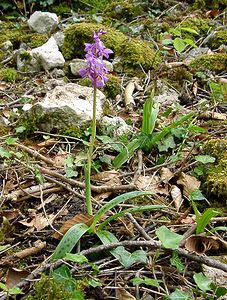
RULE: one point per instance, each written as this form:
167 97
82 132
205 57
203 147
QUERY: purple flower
96 68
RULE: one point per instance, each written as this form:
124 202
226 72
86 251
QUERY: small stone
43 22
49 55
118 124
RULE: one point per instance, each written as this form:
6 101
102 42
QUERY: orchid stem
87 169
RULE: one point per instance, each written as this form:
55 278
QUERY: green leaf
20 129
114 202
205 159
189 30
196 195
11 140
150 113
69 240
125 257
190 42
15 291
169 239
218 228
126 153
69 172
94 282
203 220
147 281
129 210
179 44
108 140
174 31
4 153
167 42
179 295
77 258
62 273
202 282
220 291
167 143
176 262
3 286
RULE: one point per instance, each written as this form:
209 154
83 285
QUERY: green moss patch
8 74
133 52
77 35
215 62
216 181
126 10
219 39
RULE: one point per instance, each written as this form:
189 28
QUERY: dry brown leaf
105 176
195 88
9 186
201 244
59 159
10 214
166 174
14 276
122 294
151 184
176 196
129 100
78 219
188 182
39 221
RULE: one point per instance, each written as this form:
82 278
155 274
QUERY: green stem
87 169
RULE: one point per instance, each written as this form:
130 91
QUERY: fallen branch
96 189
129 244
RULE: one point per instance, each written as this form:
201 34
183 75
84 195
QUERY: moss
17 34
215 62
219 39
78 34
34 40
8 74
126 10
209 4
85 82
136 53
25 56
50 289
176 76
61 9
72 131
200 25
113 86
216 181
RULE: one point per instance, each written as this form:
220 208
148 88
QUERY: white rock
49 55
43 22
118 124
7 45
67 105
78 64
59 38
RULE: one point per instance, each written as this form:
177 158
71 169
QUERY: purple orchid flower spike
96 68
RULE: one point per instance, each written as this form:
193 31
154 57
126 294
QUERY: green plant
147 138
179 43
14 291
74 234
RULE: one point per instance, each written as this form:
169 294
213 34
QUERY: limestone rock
49 55
77 64
67 105
43 22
